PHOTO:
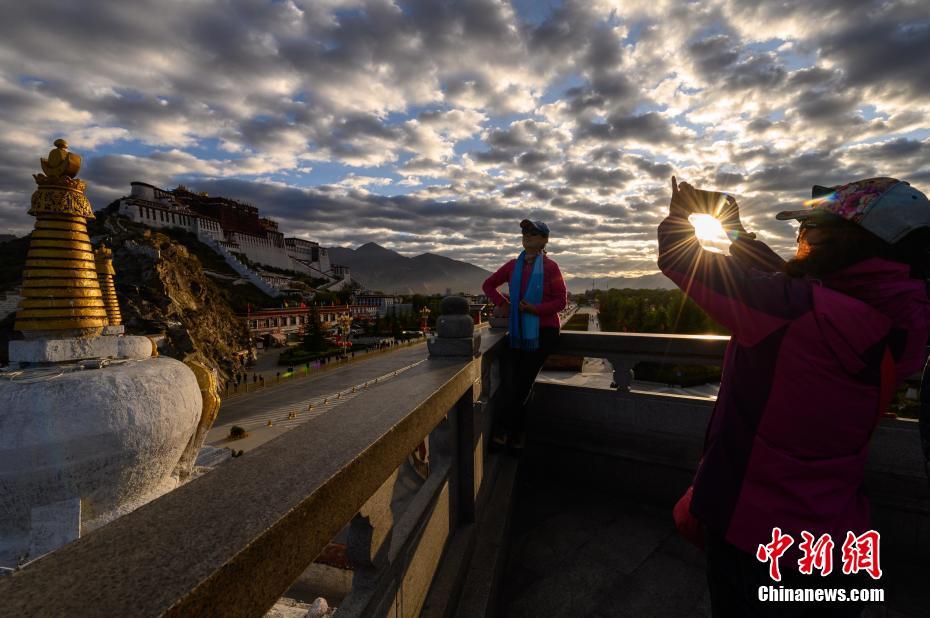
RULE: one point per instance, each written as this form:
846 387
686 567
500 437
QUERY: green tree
653 311
659 311
314 339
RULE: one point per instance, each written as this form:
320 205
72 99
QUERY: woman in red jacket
818 346
538 292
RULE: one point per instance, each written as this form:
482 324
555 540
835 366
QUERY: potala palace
232 229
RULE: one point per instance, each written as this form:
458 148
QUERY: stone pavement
579 552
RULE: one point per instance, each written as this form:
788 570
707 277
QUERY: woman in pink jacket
536 296
818 345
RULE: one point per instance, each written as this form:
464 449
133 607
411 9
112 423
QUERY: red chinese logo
817 555
860 553
771 552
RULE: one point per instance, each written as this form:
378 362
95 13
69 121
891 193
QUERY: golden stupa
105 273
61 294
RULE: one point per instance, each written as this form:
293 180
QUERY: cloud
649 128
438 124
356 182
887 50
578 175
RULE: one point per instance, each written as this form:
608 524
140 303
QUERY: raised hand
729 218
682 202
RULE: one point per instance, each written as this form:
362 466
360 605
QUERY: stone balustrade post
455 331
500 317
456 338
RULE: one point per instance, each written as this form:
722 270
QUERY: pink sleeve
750 303
555 296
496 280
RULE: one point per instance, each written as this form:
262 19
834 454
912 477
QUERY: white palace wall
260 250
155 208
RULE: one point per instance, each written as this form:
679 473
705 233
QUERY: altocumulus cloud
429 126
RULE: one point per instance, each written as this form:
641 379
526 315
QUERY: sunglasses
813 224
532 233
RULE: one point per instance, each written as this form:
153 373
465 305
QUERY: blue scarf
524 326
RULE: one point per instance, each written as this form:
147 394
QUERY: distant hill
378 268
6 237
656 281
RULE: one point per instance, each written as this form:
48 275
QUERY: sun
710 233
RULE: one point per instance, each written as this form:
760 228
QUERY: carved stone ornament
60 196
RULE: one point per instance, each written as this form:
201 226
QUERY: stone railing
650 443
624 350
233 541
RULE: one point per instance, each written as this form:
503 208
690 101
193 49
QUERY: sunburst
710 233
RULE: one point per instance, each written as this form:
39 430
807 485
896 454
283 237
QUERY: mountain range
377 268
655 281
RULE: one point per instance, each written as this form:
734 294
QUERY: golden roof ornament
59 192
61 293
60 162
105 273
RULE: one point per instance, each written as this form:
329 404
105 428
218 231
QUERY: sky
437 126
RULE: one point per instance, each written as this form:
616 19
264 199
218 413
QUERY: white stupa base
54 525
69 350
109 438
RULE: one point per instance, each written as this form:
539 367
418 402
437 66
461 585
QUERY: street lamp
345 323
424 316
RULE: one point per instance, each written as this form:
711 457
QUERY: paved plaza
288 404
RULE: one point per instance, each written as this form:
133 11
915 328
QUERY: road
290 404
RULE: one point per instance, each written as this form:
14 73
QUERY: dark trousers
523 367
734 578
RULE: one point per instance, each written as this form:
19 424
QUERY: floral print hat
887 207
